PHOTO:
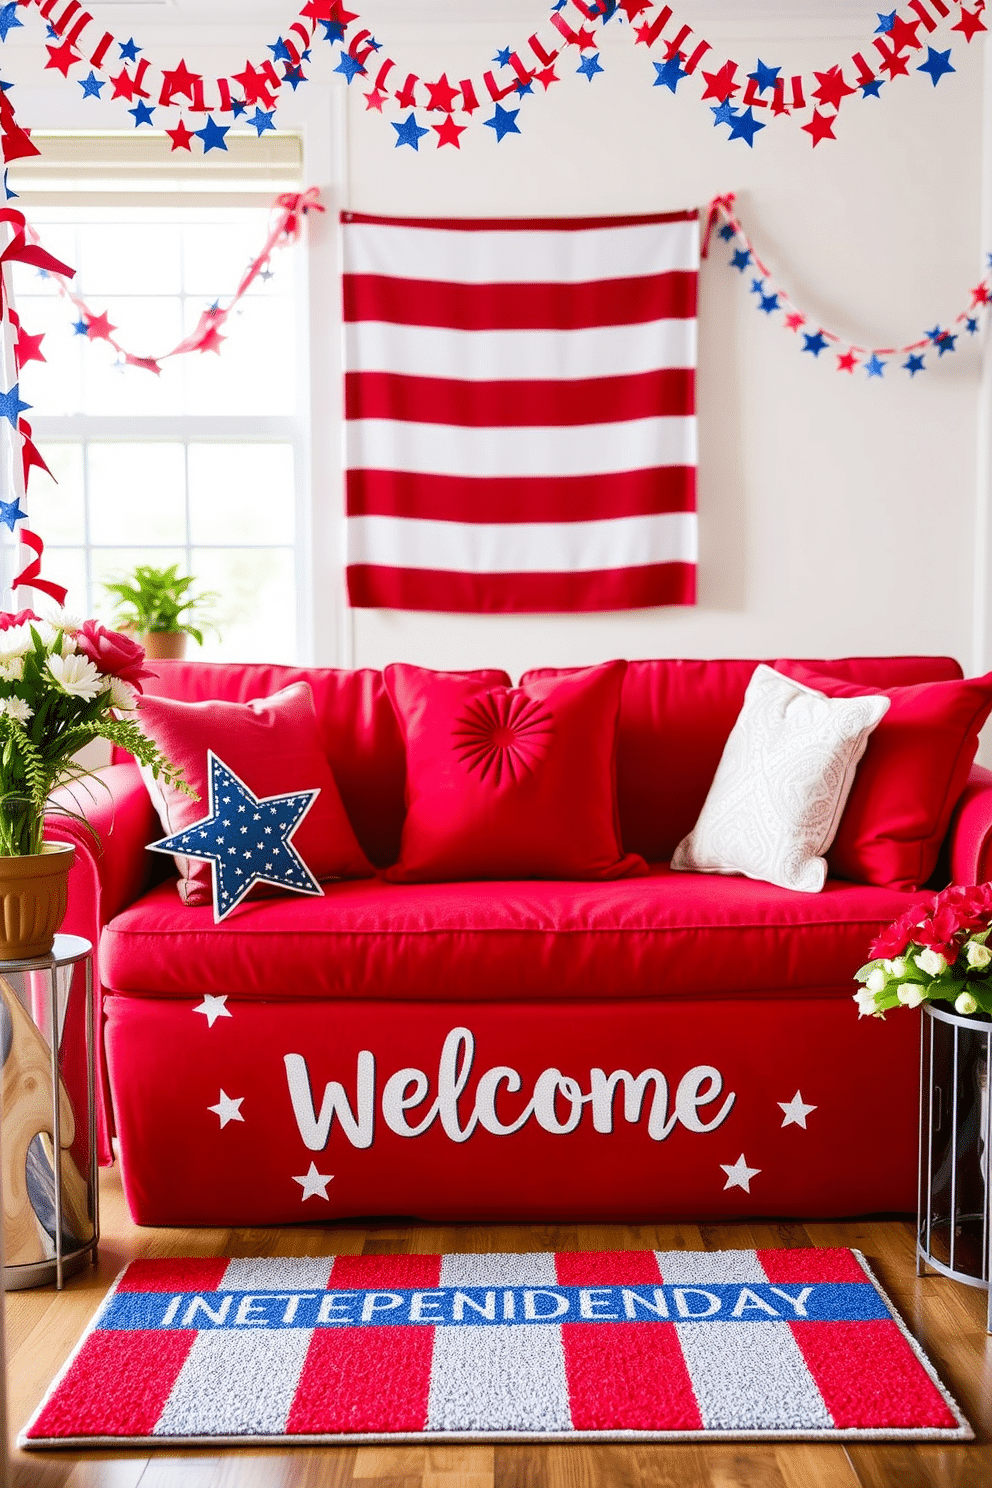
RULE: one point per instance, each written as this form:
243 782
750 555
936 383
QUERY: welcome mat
652 1345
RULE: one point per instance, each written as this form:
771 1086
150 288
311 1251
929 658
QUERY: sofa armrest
970 836
109 872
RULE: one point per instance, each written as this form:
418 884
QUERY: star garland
890 52
289 212
772 300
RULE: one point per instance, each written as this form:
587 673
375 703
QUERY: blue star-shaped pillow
246 839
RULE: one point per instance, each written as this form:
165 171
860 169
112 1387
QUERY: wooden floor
949 1320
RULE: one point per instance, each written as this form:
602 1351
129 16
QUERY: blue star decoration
946 342
872 89
409 132
11 406
971 325
333 31
503 121
591 65
727 232
741 259
814 344
502 57
245 838
142 114
723 113
769 303
212 134
348 65
294 76
8 19
936 65
129 50
523 88
10 512
764 77
260 122
91 85
874 366
670 73
281 51
935 334
81 327
914 364
10 195
885 23
745 127
757 287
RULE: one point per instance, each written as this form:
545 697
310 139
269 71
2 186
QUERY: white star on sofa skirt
228 1109
739 1175
245 838
314 1184
795 1110
213 1008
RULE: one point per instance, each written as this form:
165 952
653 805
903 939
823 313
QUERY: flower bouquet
63 683
933 952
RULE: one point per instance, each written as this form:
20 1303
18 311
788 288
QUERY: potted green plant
156 604
62 684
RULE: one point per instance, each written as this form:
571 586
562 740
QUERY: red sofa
457 1050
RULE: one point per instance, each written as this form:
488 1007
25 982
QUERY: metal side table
49 1154
954 1217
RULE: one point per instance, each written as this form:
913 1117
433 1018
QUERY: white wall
837 515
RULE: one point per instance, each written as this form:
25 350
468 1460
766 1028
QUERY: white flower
15 642
63 620
48 632
876 980
910 994
76 675
977 954
12 671
898 967
931 962
865 1001
123 695
965 1003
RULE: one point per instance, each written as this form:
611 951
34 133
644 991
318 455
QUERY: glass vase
22 827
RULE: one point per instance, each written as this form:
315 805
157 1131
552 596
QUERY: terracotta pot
164 645
34 892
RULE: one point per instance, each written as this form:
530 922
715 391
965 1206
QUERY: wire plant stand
954 1216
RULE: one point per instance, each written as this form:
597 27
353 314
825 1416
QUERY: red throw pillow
909 781
273 745
510 782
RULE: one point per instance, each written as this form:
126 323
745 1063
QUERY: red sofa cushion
675 718
514 941
507 782
358 732
272 744
914 769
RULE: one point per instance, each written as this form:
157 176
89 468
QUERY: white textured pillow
782 783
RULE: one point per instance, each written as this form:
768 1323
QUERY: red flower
943 925
114 654
8 620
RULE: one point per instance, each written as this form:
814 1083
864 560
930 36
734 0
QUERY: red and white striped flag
520 406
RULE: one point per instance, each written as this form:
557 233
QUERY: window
203 465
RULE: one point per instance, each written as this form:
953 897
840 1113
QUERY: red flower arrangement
935 951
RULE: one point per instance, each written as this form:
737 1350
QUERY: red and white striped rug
653 1345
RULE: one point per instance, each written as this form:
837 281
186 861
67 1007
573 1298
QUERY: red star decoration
62 58
329 10
895 65
29 347
148 363
832 88
633 8
98 327
180 137
820 127
585 40
720 85
375 100
254 85
448 132
442 94
794 320
211 341
903 34
123 85
979 295
970 22
847 362
547 76
180 80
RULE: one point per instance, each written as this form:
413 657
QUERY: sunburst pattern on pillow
503 732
